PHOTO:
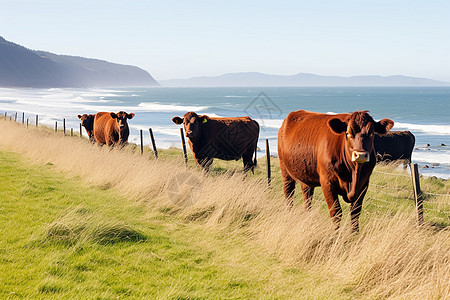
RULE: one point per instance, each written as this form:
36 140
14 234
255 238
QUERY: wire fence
434 208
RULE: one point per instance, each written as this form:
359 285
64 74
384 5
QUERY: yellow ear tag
204 120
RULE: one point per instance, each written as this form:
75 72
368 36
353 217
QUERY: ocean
425 111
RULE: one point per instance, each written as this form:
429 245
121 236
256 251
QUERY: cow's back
228 138
394 145
306 145
100 123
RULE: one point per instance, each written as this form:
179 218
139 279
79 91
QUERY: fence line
434 194
390 187
445 212
381 200
394 174
416 193
392 195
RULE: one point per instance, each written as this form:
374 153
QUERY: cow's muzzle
360 156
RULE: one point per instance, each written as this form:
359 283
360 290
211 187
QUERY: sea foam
429 129
157 107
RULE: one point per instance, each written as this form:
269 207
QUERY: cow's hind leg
288 187
308 192
249 166
249 162
206 163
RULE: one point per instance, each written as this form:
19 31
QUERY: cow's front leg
334 207
355 211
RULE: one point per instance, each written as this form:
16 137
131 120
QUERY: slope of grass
255 246
62 239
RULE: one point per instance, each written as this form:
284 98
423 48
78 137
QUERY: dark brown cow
222 138
87 121
112 128
332 151
395 145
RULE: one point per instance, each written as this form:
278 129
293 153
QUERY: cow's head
121 118
359 129
192 124
87 121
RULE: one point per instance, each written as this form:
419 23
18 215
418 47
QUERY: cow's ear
113 115
337 126
384 126
79 116
130 115
203 119
177 120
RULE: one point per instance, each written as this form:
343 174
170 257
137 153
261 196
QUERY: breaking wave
157 107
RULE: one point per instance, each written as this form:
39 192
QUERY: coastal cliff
22 67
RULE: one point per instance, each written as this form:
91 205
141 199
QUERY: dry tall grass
390 258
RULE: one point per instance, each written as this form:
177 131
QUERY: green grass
63 239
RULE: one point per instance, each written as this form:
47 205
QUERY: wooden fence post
417 193
37 118
56 126
152 138
71 131
27 123
184 146
5 115
23 118
81 132
15 117
269 179
64 126
142 142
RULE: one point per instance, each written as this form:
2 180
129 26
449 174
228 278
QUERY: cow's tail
255 161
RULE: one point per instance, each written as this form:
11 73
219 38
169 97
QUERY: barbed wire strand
409 197
394 174
434 194
391 187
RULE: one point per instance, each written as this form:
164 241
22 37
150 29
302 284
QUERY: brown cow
87 121
395 145
332 151
222 138
111 128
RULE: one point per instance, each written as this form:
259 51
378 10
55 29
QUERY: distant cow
87 121
394 145
111 128
332 151
222 138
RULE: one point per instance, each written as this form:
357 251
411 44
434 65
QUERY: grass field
81 221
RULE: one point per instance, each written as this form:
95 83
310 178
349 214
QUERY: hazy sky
180 39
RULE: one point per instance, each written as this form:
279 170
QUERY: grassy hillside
62 239
81 220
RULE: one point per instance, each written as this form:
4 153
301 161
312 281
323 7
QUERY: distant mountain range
302 79
22 67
